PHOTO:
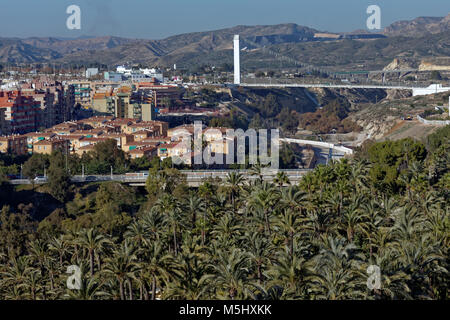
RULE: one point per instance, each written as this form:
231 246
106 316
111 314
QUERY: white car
40 179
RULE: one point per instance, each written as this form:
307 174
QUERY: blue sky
156 19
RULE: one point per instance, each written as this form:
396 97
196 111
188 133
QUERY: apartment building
121 123
34 137
103 102
160 93
96 121
160 126
14 144
57 100
222 146
82 92
173 149
142 135
85 149
215 133
46 99
122 139
51 145
2 122
64 128
147 151
21 111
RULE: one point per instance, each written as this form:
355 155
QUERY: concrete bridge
320 144
194 178
326 85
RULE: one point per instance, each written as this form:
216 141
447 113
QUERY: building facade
21 111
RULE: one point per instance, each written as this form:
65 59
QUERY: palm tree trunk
175 240
99 262
153 287
203 228
52 281
145 291
233 202
91 261
194 218
130 288
121 289
291 243
266 216
259 273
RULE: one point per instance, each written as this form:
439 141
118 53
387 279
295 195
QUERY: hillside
16 51
383 120
355 54
419 27
81 44
419 39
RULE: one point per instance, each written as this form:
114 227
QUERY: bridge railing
433 122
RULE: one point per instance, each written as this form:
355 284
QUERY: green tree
58 177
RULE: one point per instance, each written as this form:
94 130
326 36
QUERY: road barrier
433 122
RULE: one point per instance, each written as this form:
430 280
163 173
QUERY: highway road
325 85
194 178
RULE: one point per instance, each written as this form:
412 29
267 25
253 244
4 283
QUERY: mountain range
298 42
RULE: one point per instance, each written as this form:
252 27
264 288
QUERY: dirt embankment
385 120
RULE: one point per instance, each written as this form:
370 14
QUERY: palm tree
287 224
189 272
294 199
155 265
264 197
260 251
354 219
122 265
281 179
170 207
227 228
194 206
257 170
231 274
154 223
138 234
33 282
94 242
358 175
16 271
90 289
337 284
234 181
290 272
60 246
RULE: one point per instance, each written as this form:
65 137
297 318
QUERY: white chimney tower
237 66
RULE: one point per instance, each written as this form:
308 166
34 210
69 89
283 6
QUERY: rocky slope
419 27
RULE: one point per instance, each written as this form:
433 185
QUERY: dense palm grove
247 239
